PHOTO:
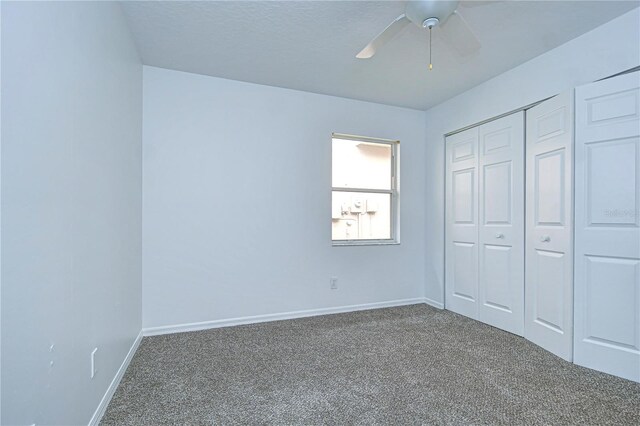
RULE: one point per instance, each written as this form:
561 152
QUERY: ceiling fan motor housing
430 22
428 13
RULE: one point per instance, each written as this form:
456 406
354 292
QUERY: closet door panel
549 259
610 195
607 258
496 292
549 268
501 223
464 279
461 251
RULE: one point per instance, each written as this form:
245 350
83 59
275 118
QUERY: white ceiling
311 45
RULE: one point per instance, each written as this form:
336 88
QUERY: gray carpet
407 365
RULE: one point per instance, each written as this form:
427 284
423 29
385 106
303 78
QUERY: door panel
461 251
618 189
464 197
497 139
607 257
549 188
611 301
464 279
501 223
550 269
464 150
497 194
549 259
497 293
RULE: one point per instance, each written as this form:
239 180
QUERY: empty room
320 212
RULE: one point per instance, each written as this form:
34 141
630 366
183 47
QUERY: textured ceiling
311 45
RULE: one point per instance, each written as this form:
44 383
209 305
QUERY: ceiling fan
429 14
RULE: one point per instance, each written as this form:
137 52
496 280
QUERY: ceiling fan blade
385 36
457 33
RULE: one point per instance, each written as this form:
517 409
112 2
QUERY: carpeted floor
407 365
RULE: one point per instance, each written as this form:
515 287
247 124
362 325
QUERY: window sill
351 243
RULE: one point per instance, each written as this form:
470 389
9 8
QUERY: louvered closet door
549 259
501 223
461 251
607 245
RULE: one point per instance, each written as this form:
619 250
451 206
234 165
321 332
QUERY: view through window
364 189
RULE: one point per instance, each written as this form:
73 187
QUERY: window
364 193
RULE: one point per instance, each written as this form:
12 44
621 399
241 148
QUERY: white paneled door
461 252
485 223
549 259
607 240
501 223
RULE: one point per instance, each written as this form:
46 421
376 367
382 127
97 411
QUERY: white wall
607 50
71 206
237 201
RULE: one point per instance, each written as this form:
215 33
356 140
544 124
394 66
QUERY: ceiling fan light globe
419 11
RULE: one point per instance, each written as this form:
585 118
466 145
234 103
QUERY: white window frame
394 192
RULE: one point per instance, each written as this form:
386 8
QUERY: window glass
360 215
364 190
361 164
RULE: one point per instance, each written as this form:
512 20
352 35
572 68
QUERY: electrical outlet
94 370
334 283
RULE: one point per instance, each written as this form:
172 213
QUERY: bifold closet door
484 275
549 259
607 240
501 223
461 251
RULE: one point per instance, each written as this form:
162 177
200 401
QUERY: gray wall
237 201
71 206
608 49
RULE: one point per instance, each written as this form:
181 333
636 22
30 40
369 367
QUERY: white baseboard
181 328
433 303
102 407
153 331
